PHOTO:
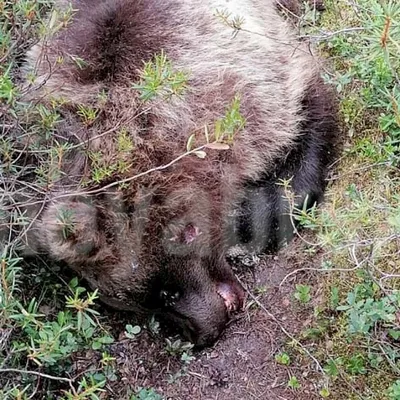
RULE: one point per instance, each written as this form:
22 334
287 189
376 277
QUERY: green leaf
324 392
395 334
294 383
189 144
200 154
282 358
217 146
302 293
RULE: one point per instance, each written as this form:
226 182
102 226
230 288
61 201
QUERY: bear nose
203 339
232 294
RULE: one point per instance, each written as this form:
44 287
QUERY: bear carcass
153 236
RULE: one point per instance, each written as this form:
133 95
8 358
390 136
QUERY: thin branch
318 270
52 377
131 178
329 35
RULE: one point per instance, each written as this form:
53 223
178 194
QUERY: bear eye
169 298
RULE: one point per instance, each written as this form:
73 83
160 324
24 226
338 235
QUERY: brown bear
215 104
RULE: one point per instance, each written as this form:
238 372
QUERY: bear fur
158 242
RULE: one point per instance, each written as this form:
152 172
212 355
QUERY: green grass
357 327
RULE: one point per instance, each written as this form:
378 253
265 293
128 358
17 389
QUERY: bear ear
69 230
188 234
181 238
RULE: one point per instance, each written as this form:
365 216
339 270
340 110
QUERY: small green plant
66 221
324 393
177 347
260 290
88 114
101 168
104 167
394 391
82 305
355 365
282 358
187 357
174 378
8 92
332 367
88 389
235 22
226 128
124 142
107 372
365 312
184 350
302 293
158 78
80 63
153 325
293 383
222 134
131 332
46 119
146 394
49 343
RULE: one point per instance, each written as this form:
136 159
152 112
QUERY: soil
241 365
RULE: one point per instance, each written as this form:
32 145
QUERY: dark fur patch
263 222
119 36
